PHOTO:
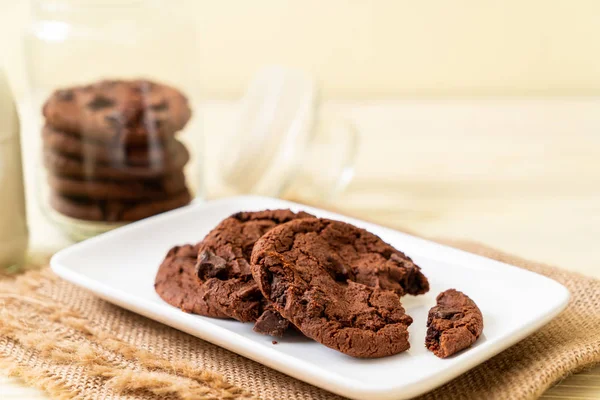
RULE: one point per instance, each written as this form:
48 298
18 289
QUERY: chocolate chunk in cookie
177 284
114 210
338 284
100 102
270 322
122 112
158 189
223 267
453 324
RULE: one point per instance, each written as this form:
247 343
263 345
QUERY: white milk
13 222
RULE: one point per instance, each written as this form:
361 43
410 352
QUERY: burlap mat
71 344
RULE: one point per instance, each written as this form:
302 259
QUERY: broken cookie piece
453 324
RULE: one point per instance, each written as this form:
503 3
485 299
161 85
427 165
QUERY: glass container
112 100
282 144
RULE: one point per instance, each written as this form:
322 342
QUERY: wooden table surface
522 175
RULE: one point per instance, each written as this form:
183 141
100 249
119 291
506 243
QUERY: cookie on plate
114 210
453 324
338 284
118 111
223 268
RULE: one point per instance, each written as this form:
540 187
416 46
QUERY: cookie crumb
274 342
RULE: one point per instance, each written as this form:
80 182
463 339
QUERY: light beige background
383 48
519 174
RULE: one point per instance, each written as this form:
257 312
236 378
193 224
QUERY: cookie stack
110 150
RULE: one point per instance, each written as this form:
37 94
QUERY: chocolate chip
249 292
211 265
162 106
274 341
65 95
446 314
99 102
239 216
271 323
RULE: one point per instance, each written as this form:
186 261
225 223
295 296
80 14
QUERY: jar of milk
13 223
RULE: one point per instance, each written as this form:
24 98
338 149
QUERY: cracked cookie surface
453 324
338 284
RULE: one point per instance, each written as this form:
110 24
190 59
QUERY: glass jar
282 143
112 100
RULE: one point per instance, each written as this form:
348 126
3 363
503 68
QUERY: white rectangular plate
120 266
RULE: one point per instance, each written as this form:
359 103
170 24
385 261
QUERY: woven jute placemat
71 344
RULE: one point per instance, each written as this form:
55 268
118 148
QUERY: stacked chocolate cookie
110 150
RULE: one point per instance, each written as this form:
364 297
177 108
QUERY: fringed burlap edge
87 346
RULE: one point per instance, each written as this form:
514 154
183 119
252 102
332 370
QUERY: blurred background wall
385 48
469 167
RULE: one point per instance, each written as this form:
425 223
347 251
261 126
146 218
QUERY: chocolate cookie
315 273
223 268
116 211
453 324
117 111
161 188
75 147
60 164
177 284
